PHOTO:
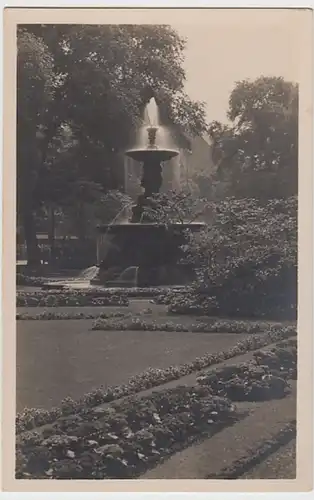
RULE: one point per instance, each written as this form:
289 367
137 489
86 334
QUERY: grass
56 359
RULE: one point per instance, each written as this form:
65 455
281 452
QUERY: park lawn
56 359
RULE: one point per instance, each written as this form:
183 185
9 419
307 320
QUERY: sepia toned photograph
156 256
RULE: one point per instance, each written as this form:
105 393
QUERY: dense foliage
257 155
246 261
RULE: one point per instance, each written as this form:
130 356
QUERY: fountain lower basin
153 249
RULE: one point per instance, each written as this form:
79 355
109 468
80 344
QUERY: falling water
129 276
88 274
121 218
91 272
118 219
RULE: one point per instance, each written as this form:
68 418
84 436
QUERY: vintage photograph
157 248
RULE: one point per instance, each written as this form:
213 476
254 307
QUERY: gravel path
281 464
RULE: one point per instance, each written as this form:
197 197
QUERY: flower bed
265 377
152 292
219 326
51 315
124 440
31 418
23 280
280 360
88 297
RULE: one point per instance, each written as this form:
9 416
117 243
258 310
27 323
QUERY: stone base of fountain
151 250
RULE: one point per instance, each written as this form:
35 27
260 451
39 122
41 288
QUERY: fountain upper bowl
146 154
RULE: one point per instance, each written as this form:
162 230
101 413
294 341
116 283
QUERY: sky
232 46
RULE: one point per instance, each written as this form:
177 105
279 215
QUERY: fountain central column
151 180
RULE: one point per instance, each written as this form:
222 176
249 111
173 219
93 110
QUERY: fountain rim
151 225
148 151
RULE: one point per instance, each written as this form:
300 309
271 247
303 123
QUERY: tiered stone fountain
141 252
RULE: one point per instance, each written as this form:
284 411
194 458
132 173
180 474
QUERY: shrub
266 377
281 359
246 262
245 382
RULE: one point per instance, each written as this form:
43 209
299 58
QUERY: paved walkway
210 456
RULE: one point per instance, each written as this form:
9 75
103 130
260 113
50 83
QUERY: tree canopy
257 155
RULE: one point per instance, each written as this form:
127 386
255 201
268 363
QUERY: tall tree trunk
32 249
81 221
52 233
26 178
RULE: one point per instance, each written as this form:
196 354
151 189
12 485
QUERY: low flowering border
71 299
153 377
97 291
214 326
52 315
49 314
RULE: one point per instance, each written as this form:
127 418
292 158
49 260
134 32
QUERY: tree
257 155
35 87
109 72
102 77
